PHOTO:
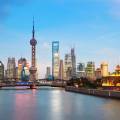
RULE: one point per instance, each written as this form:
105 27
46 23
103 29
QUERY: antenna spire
33 31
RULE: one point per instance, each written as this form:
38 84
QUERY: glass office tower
55 59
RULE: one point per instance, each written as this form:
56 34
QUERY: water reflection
25 102
55 104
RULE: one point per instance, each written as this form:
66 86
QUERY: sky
92 27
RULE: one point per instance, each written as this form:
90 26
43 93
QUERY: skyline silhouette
92 27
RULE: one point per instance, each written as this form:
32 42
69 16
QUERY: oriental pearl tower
33 69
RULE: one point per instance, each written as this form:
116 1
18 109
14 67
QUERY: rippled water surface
55 104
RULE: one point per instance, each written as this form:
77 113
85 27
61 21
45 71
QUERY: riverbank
95 92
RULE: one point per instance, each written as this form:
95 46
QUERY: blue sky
91 26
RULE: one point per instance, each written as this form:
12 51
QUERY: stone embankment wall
95 92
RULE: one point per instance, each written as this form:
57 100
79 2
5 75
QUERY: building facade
61 70
104 69
48 73
90 70
11 69
67 67
98 73
73 59
23 69
1 72
55 59
80 70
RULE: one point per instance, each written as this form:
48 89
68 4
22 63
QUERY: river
49 103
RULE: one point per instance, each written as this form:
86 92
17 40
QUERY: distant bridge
56 83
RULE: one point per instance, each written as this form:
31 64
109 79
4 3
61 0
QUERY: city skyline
59 59
95 35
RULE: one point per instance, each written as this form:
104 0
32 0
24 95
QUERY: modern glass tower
80 70
55 59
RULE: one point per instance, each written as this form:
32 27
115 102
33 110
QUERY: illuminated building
48 73
61 70
1 72
55 59
113 79
80 70
33 68
23 69
117 70
11 69
73 59
90 70
68 67
98 73
104 69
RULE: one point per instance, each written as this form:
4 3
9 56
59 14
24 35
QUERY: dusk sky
91 26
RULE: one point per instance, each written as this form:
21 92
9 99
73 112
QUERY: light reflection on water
55 104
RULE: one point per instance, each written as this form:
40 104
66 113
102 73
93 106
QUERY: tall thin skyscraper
48 73
73 58
61 70
55 59
67 67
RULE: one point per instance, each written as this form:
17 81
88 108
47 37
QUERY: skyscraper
33 68
61 70
48 73
67 67
73 58
11 68
23 69
104 69
1 72
90 70
80 70
55 59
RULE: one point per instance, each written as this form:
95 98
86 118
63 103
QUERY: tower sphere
33 42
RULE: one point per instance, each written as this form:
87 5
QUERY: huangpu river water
55 104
